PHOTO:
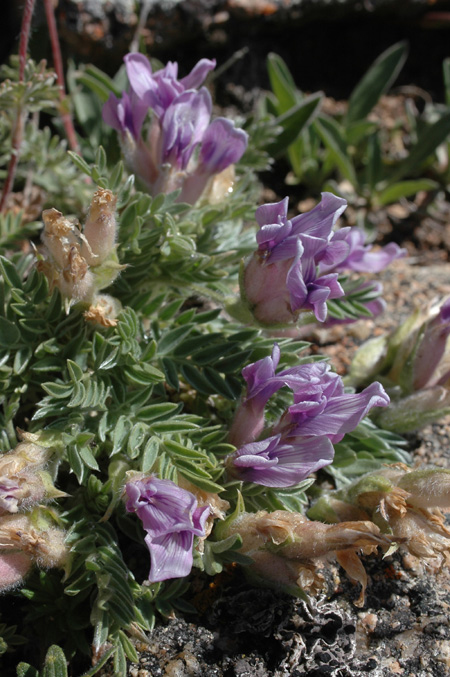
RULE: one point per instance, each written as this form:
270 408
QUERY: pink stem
58 64
20 117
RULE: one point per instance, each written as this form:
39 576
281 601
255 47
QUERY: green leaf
282 83
376 81
10 273
427 142
183 452
332 135
55 663
171 373
196 379
75 371
173 338
88 458
144 374
150 454
9 334
157 412
200 482
25 670
79 162
293 122
58 390
404 189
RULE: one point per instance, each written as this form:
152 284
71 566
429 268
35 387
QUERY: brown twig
58 64
20 117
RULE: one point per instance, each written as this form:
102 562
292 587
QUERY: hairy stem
17 132
58 65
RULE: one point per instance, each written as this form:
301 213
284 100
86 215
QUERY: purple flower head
302 440
222 145
282 278
181 148
274 463
431 349
321 407
159 90
360 256
183 125
171 519
262 383
125 115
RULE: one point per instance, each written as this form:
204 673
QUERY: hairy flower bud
404 503
28 539
23 482
100 227
289 551
81 264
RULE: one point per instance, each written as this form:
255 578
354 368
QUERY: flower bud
81 264
25 456
23 482
289 551
33 535
103 310
100 228
402 502
415 411
14 566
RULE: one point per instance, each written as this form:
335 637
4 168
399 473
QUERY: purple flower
360 257
179 148
431 350
222 145
282 278
171 519
159 90
321 407
302 440
262 383
125 115
276 463
183 126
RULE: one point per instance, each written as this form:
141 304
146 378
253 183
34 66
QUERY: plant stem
58 65
20 117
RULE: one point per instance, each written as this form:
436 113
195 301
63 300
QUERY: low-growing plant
155 418
351 152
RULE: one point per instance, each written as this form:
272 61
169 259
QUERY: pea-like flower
361 257
298 262
180 148
171 517
281 279
301 442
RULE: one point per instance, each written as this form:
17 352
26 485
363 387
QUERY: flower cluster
301 442
171 517
406 504
289 551
27 535
413 363
180 148
297 264
81 263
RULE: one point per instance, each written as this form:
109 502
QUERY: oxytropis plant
131 403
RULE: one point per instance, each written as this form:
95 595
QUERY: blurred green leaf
376 81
